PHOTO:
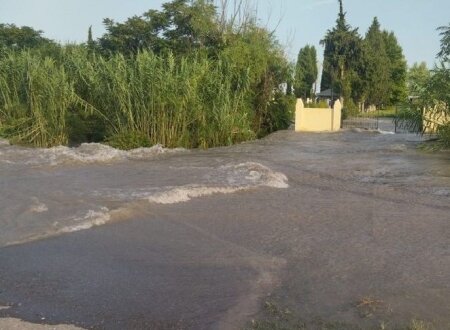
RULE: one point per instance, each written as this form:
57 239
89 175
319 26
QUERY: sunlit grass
178 102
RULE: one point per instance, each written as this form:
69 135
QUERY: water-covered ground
198 239
47 192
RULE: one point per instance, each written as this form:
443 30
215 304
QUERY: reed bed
191 101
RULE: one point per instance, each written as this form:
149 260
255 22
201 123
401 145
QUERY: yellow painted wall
317 119
433 119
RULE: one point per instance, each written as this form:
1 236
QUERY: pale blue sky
302 21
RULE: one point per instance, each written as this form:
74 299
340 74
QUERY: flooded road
157 238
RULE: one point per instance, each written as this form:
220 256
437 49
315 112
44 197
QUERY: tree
180 27
305 71
15 37
431 88
342 57
397 67
90 42
444 53
377 66
418 78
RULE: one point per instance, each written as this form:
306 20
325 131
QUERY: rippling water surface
46 192
52 191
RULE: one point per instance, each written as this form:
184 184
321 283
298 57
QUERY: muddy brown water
156 238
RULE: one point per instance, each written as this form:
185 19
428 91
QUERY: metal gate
374 120
364 120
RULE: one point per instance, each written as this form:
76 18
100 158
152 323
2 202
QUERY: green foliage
397 69
342 57
350 109
444 135
377 66
280 113
91 44
433 99
305 71
389 112
128 140
371 71
181 76
12 36
180 27
189 101
438 87
35 97
320 104
444 53
410 117
418 79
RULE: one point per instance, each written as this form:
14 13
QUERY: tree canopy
305 71
342 56
15 37
418 78
444 53
370 70
181 26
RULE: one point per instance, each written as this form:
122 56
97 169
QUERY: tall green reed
35 96
191 101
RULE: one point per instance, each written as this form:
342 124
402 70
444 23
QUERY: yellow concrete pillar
336 116
299 110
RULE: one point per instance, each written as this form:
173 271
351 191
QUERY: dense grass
35 97
390 112
192 101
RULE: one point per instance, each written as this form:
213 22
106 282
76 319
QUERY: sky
296 22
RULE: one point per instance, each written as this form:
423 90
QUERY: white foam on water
90 219
377 131
86 153
385 132
226 179
233 178
186 193
37 206
143 153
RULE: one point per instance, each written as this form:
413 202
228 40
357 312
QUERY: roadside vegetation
389 112
429 109
275 317
187 75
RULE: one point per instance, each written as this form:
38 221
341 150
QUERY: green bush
320 104
444 135
350 109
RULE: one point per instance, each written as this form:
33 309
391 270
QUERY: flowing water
317 220
46 192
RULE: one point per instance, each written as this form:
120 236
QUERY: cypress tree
90 41
305 71
342 57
